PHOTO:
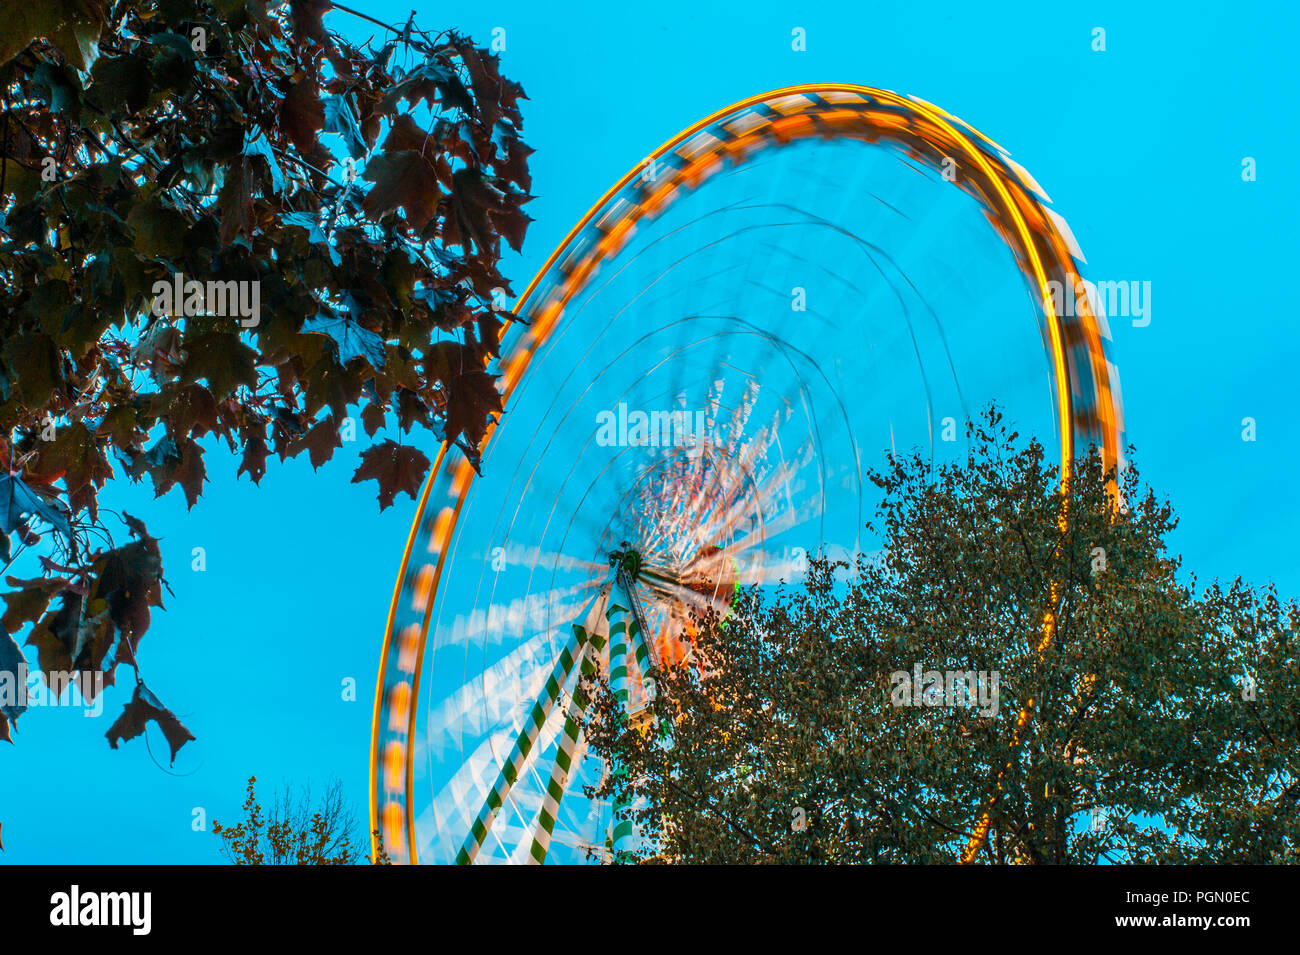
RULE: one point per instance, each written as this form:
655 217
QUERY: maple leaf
486 207
18 500
222 359
446 304
489 332
144 706
340 119
512 224
158 229
12 664
333 385
55 635
71 25
411 408
190 472
431 81
30 601
515 168
471 202
351 339
302 114
471 399
160 461
307 18
76 452
236 202
471 392
256 144
119 425
192 409
396 467
372 416
407 134
254 460
130 580
124 78
162 339
315 234
403 179
485 81
321 441
37 355
92 641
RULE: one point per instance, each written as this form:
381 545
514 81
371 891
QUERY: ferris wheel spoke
568 743
622 626
487 698
458 801
532 613
691 600
562 767
591 629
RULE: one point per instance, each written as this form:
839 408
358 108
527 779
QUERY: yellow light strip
383 653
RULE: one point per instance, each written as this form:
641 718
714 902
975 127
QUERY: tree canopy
1138 717
221 222
297 830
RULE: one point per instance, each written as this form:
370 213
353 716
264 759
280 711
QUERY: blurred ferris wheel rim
611 633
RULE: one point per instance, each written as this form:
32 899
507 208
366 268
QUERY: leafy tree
1138 718
351 199
294 832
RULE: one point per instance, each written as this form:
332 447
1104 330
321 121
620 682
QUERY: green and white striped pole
617 618
622 626
563 767
593 623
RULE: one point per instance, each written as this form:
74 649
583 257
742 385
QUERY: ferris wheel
736 330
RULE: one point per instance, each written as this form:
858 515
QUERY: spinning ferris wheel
775 296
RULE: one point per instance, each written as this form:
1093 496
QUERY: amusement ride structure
783 290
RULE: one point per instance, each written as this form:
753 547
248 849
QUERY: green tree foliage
296 831
1161 720
360 191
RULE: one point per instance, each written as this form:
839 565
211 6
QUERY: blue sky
1140 148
